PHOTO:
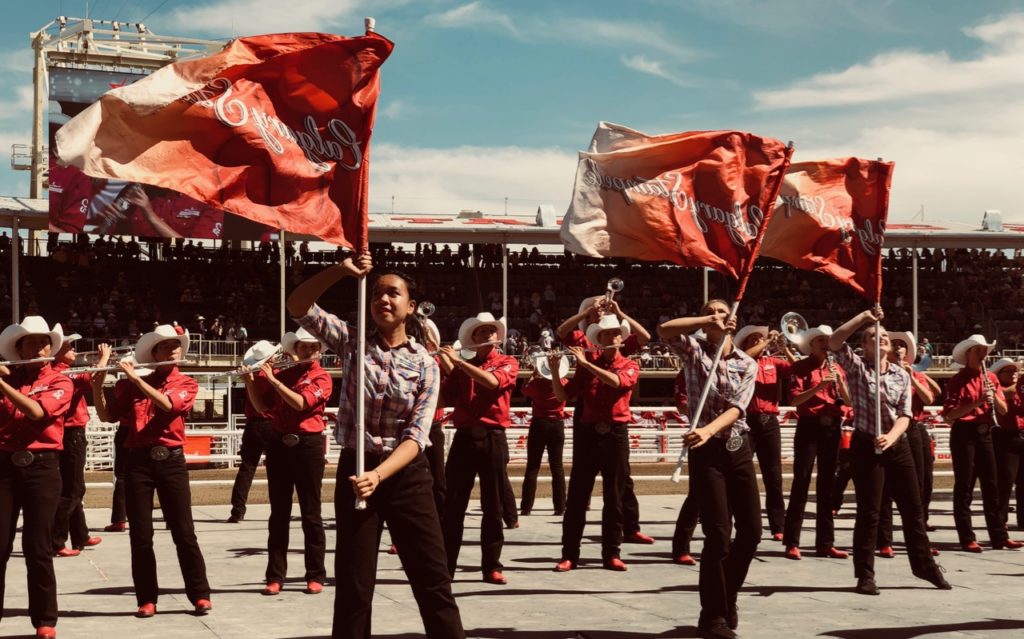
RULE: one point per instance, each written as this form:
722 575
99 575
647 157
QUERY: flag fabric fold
697 199
831 218
274 128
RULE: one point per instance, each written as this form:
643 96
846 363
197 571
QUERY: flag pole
677 474
878 347
360 356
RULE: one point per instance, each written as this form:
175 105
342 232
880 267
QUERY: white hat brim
960 350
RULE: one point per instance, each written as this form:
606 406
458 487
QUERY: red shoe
777 537
972 546
272 588
314 587
495 577
614 563
46 632
1009 544
793 553
393 550
67 552
886 552
935 552
146 610
638 538
203 606
117 526
685 559
92 541
565 565
832 553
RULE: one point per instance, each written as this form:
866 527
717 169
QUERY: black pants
725 485
871 474
34 491
974 456
254 443
843 476
607 454
475 451
927 468
1008 447
813 440
435 459
168 479
766 441
70 517
545 434
118 508
686 523
404 501
299 468
919 451
509 513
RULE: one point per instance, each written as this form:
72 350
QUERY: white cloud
248 17
635 35
397 109
791 15
653 67
435 180
17 60
903 75
20 108
471 15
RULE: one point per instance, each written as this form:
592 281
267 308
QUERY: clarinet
831 359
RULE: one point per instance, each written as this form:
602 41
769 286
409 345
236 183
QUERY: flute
20 362
564 352
117 367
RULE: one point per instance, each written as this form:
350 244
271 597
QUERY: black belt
25 458
292 439
761 418
981 428
157 453
482 432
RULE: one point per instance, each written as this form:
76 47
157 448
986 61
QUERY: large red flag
275 128
831 218
699 199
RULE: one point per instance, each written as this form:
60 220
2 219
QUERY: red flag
696 199
831 218
274 128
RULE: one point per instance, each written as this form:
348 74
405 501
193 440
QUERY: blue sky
485 100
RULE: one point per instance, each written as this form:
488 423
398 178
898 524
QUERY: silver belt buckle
159 453
22 458
825 420
734 443
602 428
290 440
764 418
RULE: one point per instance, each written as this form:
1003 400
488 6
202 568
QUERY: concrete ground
654 599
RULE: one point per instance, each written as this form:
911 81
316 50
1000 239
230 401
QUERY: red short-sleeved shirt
601 402
630 345
53 392
71 192
1014 417
188 217
147 425
542 399
439 411
805 374
472 403
265 392
965 387
771 371
916 404
314 384
78 412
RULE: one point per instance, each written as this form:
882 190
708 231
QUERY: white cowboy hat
258 354
433 333
1003 363
811 333
31 325
960 351
482 319
289 339
73 337
607 323
544 368
144 347
907 338
747 331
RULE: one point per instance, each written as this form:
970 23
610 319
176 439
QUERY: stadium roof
476 227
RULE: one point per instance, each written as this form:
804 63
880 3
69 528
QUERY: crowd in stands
114 287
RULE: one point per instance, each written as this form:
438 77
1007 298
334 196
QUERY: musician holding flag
402 386
880 452
722 475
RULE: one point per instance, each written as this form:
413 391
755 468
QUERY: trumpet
793 327
425 309
117 367
615 285
21 362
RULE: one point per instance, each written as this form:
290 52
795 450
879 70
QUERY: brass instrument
615 285
21 362
793 327
425 309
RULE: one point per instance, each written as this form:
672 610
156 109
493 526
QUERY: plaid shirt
402 385
733 387
896 392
